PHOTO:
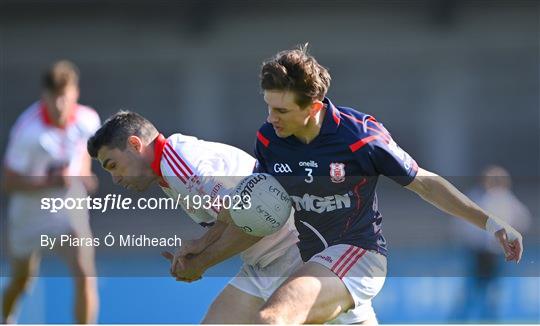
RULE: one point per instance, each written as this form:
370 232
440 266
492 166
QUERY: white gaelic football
265 205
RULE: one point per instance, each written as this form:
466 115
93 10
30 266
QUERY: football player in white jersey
137 156
46 157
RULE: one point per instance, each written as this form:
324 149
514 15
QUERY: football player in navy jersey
329 158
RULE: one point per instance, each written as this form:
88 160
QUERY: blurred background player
329 158
46 157
494 194
137 156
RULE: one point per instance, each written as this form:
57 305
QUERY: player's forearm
212 235
442 194
232 241
12 182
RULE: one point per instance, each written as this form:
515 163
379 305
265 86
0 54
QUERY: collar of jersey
159 144
331 120
48 121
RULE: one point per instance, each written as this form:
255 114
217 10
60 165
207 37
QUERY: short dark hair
115 131
60 75
297 71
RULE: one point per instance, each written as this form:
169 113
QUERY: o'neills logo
246 187
310 164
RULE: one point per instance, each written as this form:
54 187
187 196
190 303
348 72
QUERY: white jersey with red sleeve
35 147
35 144
196 168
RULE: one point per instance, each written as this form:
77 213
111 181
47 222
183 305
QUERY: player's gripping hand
184 265
509 238
188 249
170 257
183 268
190 270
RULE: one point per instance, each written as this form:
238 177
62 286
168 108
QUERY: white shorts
362 271
263 281
25 230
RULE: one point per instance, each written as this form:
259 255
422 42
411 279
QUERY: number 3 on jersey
309 179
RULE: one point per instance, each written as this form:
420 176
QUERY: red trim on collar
48 121
332 118
159 144
335 115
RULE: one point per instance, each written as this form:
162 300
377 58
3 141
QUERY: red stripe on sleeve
362 142
181 168
184 164
377 130
380 128
166 155
263 139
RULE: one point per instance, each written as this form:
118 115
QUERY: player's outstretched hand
512 243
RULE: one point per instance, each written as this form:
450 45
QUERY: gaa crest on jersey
337 172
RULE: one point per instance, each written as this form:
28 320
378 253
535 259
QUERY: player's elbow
423 183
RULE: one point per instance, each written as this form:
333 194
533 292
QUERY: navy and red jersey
332 179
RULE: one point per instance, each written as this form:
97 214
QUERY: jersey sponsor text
318 204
